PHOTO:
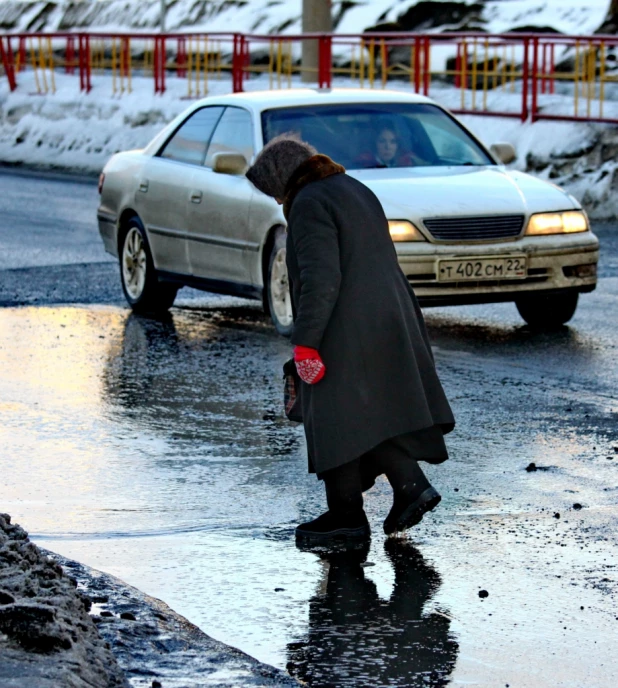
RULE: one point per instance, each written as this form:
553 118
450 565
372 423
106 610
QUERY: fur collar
314 169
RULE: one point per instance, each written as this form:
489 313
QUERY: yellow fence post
271 63
129 57
602 79
576 78
474 72
34 66
42 65
485 74
207 64
362 64
279 62
464 72
114 85
289 64
50 62
372 61
592 72
495 63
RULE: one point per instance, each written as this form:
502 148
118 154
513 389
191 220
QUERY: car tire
277 287
543 312
140 282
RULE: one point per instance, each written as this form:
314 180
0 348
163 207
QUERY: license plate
474 269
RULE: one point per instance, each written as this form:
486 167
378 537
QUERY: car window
373 135
190 141
234 134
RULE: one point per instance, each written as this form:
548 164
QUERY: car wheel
547 311
140 283
277 287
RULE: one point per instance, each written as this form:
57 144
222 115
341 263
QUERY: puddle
156 451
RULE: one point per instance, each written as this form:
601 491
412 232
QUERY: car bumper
108 231
553 264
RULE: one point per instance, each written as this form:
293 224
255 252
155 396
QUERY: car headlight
402 230
558 223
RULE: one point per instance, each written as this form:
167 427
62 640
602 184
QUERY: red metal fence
528 76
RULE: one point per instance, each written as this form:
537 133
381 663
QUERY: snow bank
280 16
79 132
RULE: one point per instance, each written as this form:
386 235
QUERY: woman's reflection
357 639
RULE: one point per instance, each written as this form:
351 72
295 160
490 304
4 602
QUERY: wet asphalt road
156 451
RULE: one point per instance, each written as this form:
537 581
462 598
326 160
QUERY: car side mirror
229 163
504 152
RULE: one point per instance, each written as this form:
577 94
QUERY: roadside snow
79 132
279 16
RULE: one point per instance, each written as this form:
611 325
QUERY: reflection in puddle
157 451
365 640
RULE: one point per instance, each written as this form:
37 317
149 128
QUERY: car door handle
196 197
143 186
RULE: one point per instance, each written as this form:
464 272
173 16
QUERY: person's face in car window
387 146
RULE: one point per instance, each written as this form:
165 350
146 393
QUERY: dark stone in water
6 598
483 594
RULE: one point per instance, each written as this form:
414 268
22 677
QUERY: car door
164 189
219 244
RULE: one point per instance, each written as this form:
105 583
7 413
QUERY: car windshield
374 135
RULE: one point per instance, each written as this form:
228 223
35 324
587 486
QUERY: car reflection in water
355 638
207 380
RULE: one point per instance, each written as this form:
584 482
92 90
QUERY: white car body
223 241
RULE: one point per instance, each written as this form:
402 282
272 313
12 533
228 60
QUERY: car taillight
101 182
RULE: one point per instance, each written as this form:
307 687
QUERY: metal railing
528 76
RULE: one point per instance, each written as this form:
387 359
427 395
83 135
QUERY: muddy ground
156 451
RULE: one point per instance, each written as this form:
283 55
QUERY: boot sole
413 514
339 535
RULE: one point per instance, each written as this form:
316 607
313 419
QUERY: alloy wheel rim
134 263
279 290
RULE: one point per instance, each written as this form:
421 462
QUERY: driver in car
388 151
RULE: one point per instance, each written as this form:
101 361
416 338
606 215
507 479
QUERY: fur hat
277 162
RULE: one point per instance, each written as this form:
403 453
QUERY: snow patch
279 16
79 132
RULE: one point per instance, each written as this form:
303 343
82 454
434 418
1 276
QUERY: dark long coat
355 306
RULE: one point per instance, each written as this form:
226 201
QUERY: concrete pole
316 18
162 16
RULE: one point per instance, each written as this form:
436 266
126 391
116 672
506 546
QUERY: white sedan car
466 230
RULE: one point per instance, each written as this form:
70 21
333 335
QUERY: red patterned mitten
311 368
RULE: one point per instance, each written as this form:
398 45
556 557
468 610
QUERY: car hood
416 193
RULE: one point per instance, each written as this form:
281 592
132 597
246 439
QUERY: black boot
408 511
335 527
345 519
413 496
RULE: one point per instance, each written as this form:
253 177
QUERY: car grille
475 228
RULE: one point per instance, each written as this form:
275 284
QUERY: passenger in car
371 399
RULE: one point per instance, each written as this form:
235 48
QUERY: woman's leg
343 488
413 494
345 518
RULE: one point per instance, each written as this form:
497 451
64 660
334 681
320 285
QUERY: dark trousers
345 484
